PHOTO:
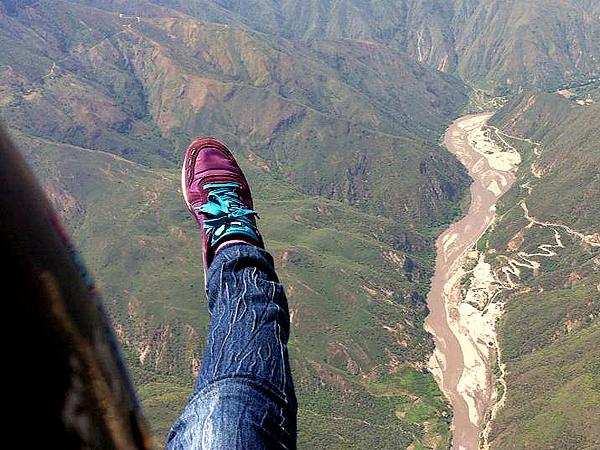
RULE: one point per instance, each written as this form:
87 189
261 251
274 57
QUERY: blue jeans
244 397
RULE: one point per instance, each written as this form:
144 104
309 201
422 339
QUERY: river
464 336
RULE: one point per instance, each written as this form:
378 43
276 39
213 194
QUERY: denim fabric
244 397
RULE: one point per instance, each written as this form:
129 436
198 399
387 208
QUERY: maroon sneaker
217 194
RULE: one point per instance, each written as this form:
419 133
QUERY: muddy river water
464 337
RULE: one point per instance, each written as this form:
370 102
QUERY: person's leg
244 397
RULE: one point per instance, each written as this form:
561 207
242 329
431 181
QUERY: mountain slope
567 166
422 29
141 87
339 141
522 43
491 43
545 251
351 340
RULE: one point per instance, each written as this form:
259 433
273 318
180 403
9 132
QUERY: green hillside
569 135
339 141
549 333
360 340
511 44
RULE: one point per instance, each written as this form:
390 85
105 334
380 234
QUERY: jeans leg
244 397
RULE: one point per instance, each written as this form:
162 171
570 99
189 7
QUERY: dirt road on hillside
461 362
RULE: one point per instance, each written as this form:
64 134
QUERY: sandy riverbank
464 326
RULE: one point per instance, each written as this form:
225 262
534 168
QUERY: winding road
461 359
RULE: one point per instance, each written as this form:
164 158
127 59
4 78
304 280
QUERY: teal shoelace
227 214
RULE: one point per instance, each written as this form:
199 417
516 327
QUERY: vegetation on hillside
549 332
338 140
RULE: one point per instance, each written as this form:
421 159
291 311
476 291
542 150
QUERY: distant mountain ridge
535 44
509 44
